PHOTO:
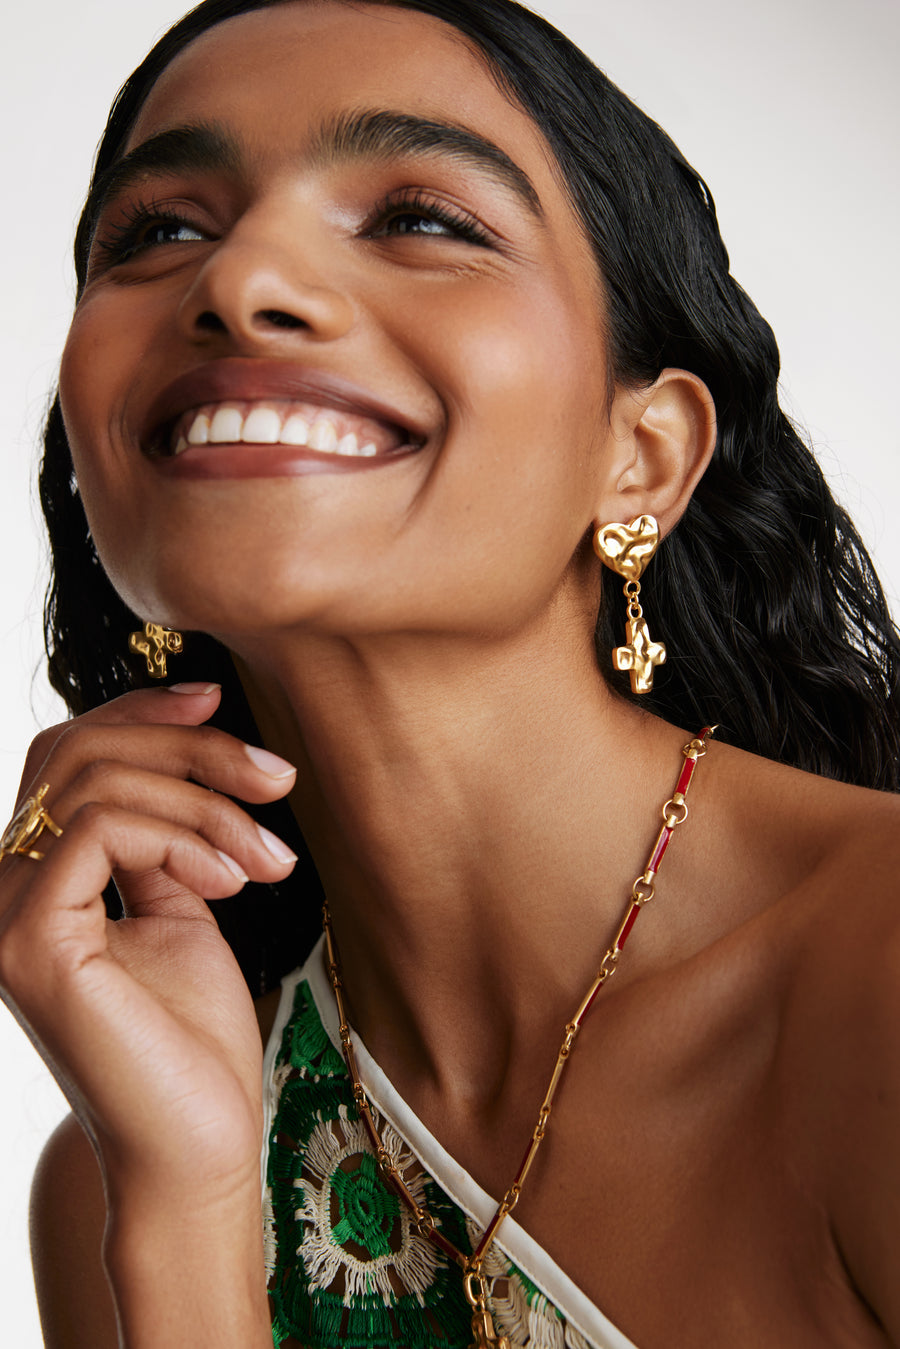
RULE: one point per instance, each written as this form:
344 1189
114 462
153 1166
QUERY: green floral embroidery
347 1266
369 1211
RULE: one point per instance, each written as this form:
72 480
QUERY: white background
789 108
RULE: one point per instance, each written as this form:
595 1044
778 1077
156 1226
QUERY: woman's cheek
527 373
113 344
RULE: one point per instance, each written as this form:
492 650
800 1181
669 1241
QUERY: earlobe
666 435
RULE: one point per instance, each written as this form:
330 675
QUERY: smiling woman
402 341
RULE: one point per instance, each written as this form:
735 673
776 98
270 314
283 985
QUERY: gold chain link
474 1285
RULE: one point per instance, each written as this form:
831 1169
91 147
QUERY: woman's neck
477 817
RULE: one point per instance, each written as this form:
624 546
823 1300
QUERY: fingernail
279 850
271 764
193 688
233 866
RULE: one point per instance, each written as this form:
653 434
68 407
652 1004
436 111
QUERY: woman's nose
260 284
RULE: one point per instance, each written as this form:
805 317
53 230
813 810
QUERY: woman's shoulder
68 1217
834 945
802 829
835 848
802 866
808 871
841 1055
798 989
824 859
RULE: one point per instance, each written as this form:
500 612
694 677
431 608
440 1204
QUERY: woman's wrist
186 1272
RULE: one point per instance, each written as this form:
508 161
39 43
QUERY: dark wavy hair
775 621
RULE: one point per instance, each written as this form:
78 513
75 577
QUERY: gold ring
27 825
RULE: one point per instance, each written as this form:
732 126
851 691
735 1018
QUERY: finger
176 704
200 753
182 705
54 919
102 838
216 818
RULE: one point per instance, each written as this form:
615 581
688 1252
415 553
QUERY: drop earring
155 643
626 550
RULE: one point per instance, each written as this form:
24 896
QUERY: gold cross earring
154 643
626 550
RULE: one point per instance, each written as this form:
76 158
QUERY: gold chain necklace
484 1336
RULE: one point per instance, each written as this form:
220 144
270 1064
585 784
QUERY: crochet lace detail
345 1264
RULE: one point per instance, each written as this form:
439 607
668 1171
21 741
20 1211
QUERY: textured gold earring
626 550
154 643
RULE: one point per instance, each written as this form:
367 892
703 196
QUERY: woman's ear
662 439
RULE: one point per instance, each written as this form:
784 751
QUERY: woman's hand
147 1023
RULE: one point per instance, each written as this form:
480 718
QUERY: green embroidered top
346 1265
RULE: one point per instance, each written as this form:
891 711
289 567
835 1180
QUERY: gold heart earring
154 643
626 550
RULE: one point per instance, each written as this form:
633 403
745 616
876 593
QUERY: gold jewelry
155 642
27 825
674 813
626 549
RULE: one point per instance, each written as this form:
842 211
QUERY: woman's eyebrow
368 134
377 134
203 147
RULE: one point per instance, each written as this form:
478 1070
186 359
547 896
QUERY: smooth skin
722 1167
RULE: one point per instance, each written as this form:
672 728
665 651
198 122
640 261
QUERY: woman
372 358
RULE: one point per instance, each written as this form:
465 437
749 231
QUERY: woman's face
336 229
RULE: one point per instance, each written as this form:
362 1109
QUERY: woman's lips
244 417
266 461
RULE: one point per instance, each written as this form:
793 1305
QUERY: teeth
295 430
199 430
267 425
323 436
262 426
225 427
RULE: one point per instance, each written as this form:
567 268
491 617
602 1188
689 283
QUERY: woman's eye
415 216
142 230
169 232
411 222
